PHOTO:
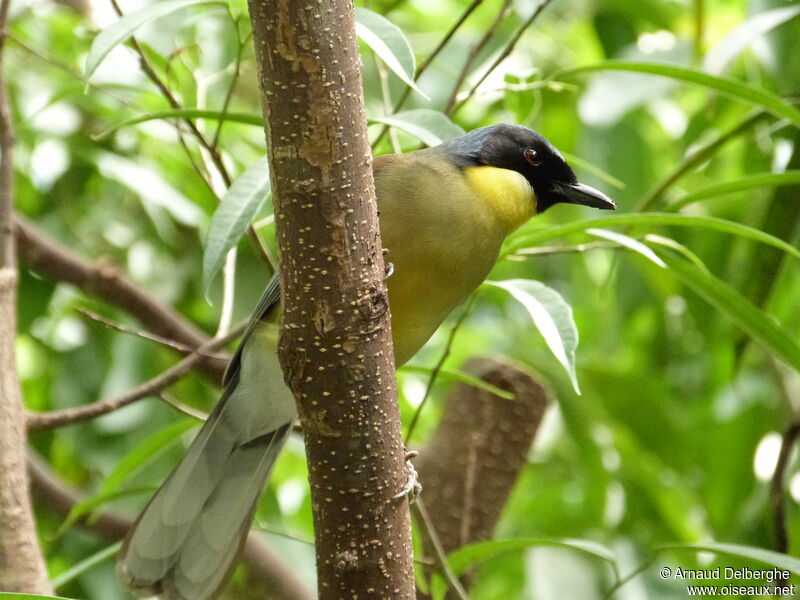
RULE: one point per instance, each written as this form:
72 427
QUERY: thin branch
506 51
438 549
234 80
423 66
438 367
105 281
505 9
698 157
68 416
183 408
777 496
212 150
146 335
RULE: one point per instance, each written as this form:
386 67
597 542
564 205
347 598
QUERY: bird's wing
269 299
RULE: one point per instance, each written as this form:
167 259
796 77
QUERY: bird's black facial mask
520 149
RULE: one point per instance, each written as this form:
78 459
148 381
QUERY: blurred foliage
676 434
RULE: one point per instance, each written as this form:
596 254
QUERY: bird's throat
506 193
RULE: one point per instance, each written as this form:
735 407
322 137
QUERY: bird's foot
413 487
388 267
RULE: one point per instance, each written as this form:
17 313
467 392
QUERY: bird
444 213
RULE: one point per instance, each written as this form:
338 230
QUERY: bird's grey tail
184 543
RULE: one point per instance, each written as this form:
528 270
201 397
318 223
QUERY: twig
68 416
777 497
476 49
438 367
212 150
183 408
438 550
698 157
423 66
105 281
148 336
506 51
234 79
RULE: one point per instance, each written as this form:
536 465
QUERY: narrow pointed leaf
740 184
430 126
126 26
234 213
388 42
740 38
733 88
760 326
552 317
185 113
775 559
628 242
532 238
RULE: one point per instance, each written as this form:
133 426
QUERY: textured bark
476 454
22 567
335 343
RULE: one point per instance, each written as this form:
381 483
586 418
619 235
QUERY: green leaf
732 186
185 113
776 559
125 27
462 377
628 242
468 556
755 322
552 317
733 88
531 238
389 43
81 508
654 238
86 564
142 454
732 45
234 213
430 126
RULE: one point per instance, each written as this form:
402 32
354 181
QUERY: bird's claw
413 487
388 267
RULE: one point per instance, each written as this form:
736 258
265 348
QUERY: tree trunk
22 567
335 344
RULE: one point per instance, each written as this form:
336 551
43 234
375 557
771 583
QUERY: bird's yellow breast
443 228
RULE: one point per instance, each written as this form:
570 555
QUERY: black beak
579 193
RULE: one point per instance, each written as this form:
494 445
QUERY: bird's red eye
533 157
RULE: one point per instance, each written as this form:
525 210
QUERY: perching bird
444 213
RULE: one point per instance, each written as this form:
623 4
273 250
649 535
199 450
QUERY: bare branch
423 66
505 9
512 43
68 416
105 281
145 335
